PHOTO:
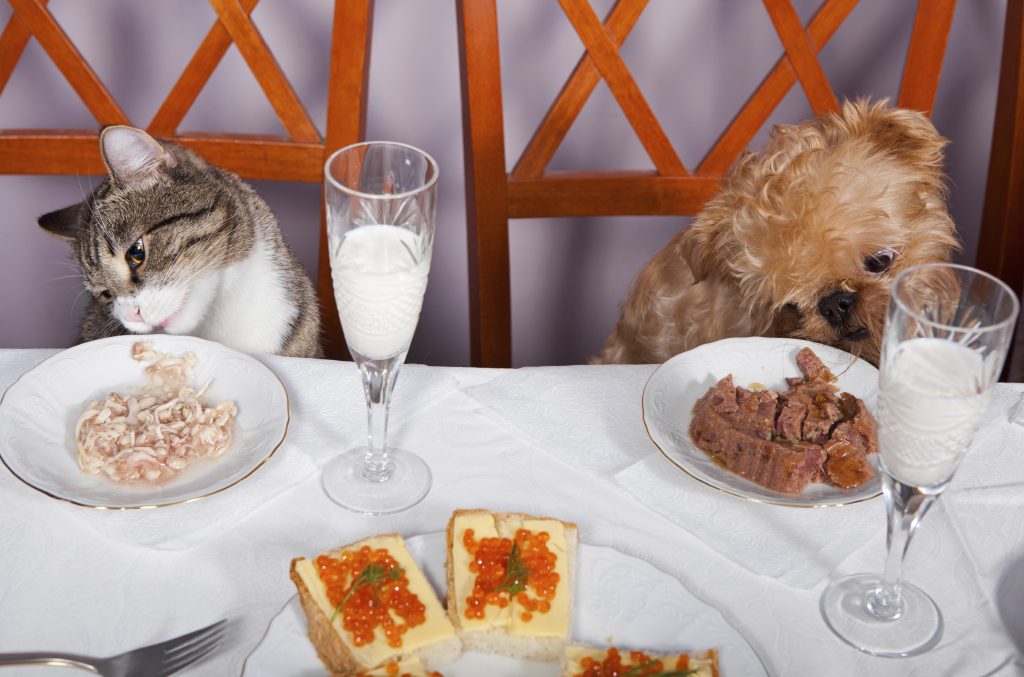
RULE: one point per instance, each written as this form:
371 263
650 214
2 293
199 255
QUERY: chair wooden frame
299 156
493 195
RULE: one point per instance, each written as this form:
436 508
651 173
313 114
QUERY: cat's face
152 237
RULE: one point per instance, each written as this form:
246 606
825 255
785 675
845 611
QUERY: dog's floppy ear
698 245
906 134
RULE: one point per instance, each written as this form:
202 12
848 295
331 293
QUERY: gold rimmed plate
676 385
39 412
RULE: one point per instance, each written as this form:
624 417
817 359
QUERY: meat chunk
781 467
787 440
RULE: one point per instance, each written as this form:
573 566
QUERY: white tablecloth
72 579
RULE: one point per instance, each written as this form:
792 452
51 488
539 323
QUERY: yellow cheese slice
482 524
555 622
436 627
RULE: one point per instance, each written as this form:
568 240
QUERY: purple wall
696 61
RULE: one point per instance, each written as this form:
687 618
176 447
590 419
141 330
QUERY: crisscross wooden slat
802 56
263 65
195 76
574 94
74 67
932 24
609 62
529 191
770 93
12 44
300 158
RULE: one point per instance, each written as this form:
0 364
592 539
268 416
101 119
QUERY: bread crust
331 649
498 640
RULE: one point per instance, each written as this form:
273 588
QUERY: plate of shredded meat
142 421
780 421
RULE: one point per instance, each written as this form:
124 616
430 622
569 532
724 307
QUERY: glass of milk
947 331
381 200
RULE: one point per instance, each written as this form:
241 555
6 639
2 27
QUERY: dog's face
815 227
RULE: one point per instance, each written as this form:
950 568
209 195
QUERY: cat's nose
135 315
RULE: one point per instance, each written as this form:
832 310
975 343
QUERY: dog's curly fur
820 210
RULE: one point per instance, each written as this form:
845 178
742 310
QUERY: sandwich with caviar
510 583
585 661
369 605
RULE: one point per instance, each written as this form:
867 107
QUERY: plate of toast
496 594
781 421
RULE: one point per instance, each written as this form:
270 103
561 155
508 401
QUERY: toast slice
587 661
349 583
520 603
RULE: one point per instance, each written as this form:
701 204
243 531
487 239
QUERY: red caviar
369 589
640 665
529 576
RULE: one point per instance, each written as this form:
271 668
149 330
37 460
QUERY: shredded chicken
152 435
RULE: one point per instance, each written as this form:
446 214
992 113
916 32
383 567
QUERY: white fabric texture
568 440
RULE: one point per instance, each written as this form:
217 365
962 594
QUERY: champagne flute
947 332
381 204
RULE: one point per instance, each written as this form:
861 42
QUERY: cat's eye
136 254
879 262
106 295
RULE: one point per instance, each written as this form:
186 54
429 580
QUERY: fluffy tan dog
803 241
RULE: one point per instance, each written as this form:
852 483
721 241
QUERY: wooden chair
298 157
1001 242
493 195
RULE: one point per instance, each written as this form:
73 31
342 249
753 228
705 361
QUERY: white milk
929 408
379 278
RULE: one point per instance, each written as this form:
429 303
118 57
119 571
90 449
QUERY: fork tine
181 662
172 644
208 633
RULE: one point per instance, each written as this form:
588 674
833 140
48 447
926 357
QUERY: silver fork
160 659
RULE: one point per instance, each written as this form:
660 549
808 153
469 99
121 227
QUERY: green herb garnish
516 573
637 669
372 575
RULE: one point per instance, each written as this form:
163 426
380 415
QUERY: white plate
676 386
619 599
39 412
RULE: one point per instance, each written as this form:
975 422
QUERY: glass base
408 483
915 630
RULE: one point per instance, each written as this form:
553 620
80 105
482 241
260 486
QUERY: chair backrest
494 195
299 156
1001 242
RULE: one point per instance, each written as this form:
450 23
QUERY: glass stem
379 378
905 508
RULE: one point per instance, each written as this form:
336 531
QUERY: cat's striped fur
169 242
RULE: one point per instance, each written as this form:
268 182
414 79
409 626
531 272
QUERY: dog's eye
879 262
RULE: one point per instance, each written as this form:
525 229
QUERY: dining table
562 441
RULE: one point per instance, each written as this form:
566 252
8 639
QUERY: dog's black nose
836 306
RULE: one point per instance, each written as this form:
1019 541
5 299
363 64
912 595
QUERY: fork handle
60 660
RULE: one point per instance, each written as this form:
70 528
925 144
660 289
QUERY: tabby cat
168 242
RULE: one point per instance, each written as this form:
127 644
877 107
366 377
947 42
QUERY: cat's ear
63 222
132 156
